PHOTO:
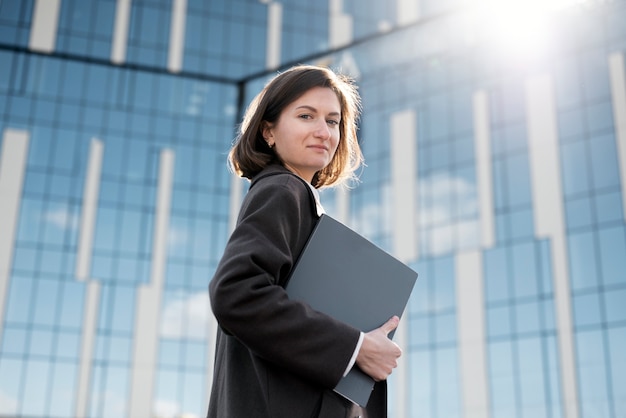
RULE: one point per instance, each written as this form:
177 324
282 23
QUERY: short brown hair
250 154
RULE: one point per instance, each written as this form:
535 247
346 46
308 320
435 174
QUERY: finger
391 324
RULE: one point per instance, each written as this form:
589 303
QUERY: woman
277 357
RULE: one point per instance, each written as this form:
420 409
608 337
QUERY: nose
322 130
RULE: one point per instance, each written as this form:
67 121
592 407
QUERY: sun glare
520 26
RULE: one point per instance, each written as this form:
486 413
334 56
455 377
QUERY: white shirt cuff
355 354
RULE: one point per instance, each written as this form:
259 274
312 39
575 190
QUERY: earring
270 145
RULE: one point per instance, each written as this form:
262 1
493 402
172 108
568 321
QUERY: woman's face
306 134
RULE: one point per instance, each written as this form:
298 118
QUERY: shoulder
279 184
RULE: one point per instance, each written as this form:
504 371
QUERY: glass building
495 139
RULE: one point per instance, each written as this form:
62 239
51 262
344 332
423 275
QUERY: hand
378 354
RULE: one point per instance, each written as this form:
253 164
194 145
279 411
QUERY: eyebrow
311 108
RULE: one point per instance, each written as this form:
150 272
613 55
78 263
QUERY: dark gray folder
342 274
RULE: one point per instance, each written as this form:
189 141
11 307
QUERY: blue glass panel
613 255
532 379
11 376
51 261
615 306
116 387
547 315
583 262
73 80
420 331
31 216
574 168
500 192
67 345
63 390
193 393
587 309
571 124
169 352
445 328
119 349
40 343
543 248
440 154
123 314
6 79
617 348
604 162
127 269
527 317
26 259
497 285
521 223
438 113
167 387
592 378
609 207
19 303
443 296
196 355
36 387
13 341
518 180
71 309
600 117
498 321
105 18
46 302
447 380
420 376
200 239
524 269
578 212
595 73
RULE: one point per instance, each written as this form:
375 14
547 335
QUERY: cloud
113 404
447 197
176 236
447 212
166 409
62 218
187 316
8 405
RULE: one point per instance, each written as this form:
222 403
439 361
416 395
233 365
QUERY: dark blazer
275 357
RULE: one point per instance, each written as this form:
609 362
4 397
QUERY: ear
266 131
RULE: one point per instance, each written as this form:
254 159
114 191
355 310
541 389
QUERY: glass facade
496 167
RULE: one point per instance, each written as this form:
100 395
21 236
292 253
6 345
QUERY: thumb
390 325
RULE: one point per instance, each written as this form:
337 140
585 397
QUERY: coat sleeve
251 305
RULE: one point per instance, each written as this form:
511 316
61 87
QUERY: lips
320 147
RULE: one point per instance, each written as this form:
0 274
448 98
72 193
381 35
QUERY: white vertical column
404 223
90 206
43 31
545 169
12 168
177 36
407 11
482 145
236 195
340 25
212 333
274 34
120 31
618 96
91 191
404 184
471 333
90 320
148 312
342 197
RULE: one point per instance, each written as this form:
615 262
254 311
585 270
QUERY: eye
332 122
306 116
